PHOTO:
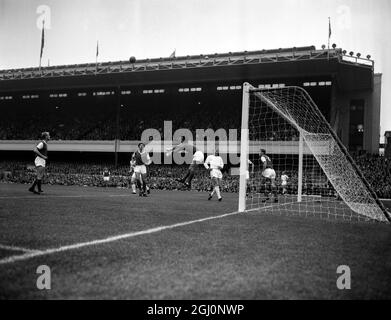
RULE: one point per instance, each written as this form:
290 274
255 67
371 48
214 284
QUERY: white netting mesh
331 185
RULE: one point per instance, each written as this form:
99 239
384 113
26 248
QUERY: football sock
34 184
217 188
190 177
138 184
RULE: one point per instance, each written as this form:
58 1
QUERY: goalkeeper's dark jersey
44 149
137 158
269 163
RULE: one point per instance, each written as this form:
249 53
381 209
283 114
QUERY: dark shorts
40 172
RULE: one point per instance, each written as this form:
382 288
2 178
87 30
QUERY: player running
41 150
215 164
284 182
270 175
141 159
133 175
197 160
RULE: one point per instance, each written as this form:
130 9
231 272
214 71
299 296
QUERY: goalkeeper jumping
196 162
270 175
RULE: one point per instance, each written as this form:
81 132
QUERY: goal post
244 148
311 172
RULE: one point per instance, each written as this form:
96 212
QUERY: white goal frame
244 148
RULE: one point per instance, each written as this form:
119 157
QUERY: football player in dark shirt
41 152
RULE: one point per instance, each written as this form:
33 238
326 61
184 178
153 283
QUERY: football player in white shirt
215 164
270 175
284 182
133 176
41 151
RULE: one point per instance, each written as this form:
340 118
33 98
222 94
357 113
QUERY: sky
155 28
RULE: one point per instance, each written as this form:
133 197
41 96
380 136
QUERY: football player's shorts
198 157
247 174
140 169
283 183
216 173
39 162
269 173
106 178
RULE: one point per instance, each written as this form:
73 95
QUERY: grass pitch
238 256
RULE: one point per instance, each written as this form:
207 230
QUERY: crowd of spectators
101 119
376 169
88 174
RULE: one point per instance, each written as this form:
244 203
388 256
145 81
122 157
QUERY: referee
41 151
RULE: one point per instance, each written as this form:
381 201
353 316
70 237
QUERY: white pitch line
15 248
68 196
30 255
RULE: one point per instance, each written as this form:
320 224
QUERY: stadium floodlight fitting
323 46
344 52
358 54
333 45
351 53
368 56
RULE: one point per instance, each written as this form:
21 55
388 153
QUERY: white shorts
140 169
247 174
216 173
269 173
39 162
133 176
106 178
198 157
283 183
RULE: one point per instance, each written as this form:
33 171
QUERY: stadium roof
351 73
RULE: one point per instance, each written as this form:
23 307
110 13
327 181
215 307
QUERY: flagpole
328 42
96 57
42 44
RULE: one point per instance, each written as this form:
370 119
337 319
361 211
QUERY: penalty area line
33 254
15 248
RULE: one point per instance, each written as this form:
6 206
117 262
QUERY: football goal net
292 162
